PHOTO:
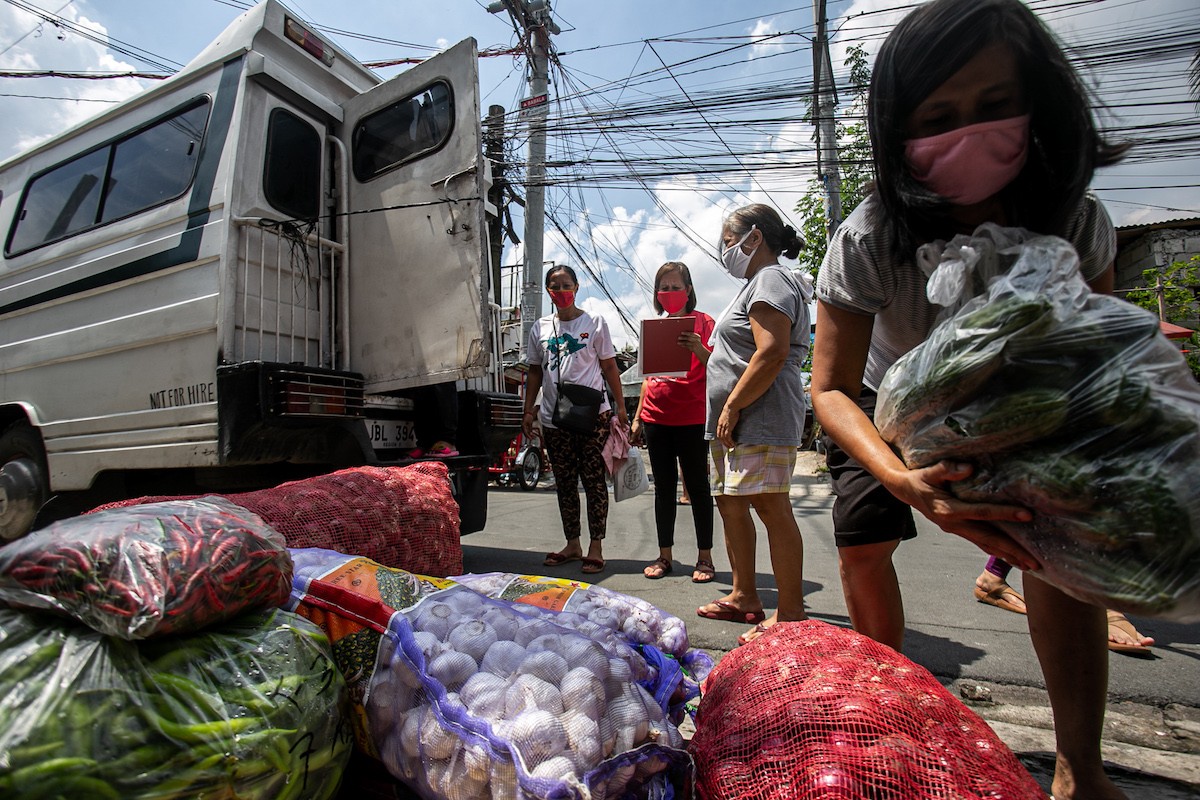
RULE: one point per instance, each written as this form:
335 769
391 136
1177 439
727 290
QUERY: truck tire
531 471
24 484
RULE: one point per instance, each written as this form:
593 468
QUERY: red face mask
562 299
672 301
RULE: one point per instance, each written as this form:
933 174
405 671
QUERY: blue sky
610 52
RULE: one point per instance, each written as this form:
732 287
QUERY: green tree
1180 303
854 163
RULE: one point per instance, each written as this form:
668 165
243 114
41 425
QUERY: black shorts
864 512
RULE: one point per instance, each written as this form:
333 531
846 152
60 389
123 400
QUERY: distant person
571 346
975 115
991 587
756 409
670 420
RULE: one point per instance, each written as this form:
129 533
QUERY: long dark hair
685 273
561 268
779 237
931 44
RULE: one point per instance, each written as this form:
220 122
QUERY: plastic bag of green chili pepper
150 570
252 709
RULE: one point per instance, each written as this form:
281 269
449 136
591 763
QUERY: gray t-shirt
777 417
862 273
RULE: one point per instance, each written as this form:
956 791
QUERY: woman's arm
1104 282
839 361
772 341
533 383
612 376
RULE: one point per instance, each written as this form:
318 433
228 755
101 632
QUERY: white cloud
46 47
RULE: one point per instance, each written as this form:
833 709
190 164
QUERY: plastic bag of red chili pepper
150 570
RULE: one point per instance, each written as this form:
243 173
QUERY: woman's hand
925 490
690 341
725 425
636 432
527 425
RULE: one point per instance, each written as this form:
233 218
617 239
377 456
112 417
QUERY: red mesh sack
404 517
810 711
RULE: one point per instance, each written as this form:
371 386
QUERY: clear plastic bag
150 570
1068 403
463 696
252 709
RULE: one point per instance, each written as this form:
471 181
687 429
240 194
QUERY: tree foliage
1180 301
854 164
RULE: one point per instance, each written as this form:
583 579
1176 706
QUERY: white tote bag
629 479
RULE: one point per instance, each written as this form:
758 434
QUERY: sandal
1000 598
1117 620
728 612
704 571
755 632
592 565
659 568
558 559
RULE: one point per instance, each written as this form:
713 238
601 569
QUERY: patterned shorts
752 468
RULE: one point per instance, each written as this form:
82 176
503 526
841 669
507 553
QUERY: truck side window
292 172
403 131
133 173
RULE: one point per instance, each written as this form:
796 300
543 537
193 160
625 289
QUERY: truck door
417 239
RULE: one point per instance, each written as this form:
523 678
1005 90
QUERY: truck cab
238 277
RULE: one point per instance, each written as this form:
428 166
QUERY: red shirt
679 401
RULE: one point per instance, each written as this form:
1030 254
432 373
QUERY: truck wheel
24 487
531 471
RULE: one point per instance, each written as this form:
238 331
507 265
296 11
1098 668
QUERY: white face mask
735 261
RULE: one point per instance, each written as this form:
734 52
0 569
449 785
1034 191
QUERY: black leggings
685 445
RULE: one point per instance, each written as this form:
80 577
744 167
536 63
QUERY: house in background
1157 245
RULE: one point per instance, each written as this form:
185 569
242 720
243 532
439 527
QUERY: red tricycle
523 461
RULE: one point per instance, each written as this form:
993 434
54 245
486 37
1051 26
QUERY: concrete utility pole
533 17
825 103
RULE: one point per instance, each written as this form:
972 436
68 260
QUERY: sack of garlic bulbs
584 607
462 696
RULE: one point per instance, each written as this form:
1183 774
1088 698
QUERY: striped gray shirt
862 274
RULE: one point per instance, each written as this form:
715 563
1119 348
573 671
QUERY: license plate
386 434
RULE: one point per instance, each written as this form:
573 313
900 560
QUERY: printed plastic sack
829 713
403 517
251 709
461 696
1068 403
150 570
662 637
629 479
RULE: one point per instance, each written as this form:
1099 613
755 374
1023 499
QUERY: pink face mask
672 302
562 299
968 165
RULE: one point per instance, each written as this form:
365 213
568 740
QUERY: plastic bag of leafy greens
252 709
1069 403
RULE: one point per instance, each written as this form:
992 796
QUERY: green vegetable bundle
1067 403
252 709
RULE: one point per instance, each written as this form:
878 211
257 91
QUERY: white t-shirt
862 273
569 351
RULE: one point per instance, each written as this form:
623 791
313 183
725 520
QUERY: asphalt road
949 633
1154 703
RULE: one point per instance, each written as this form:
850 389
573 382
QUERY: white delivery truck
231 279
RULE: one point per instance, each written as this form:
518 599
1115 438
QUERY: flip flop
728 612
658 569
592 565
998 597
558 559
755 632
1118 621
705 570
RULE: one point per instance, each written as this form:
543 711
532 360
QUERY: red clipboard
659 348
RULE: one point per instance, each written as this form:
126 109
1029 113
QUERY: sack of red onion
463 696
